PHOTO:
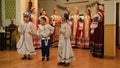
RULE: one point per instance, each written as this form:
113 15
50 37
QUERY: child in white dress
25 43
65 53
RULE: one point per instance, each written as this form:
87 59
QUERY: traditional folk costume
55 22
36 40
87 22
77 32
97 34
43 32
25 43
80 35
65 53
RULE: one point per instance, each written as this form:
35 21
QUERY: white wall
20 8
110 12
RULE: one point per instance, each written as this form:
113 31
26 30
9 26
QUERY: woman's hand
30 33
62 33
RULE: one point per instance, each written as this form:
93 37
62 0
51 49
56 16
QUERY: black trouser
45 48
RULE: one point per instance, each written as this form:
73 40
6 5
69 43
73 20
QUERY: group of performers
27 31
80 25
65 32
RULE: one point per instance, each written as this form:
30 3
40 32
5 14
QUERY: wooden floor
83 59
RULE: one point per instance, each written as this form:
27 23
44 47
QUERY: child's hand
49 35
39 37
20 32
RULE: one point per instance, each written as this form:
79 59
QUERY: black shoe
47 59
24 57
43 59
61 63
29 57
66 64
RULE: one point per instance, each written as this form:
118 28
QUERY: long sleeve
45 30
20 28
51 29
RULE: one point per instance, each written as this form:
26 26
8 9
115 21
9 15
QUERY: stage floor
83 59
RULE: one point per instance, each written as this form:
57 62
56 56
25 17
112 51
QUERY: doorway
117 25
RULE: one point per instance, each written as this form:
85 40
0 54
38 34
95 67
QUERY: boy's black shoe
24 57
43 59
47 59
61 63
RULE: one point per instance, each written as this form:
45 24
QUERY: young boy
25 43
44 32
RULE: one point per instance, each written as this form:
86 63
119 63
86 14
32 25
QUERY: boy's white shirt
45 30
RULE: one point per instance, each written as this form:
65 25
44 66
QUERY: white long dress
25 43
65 53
